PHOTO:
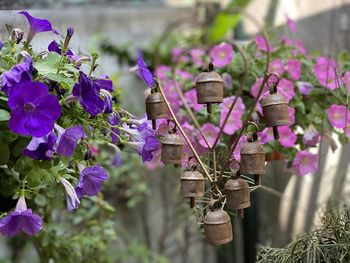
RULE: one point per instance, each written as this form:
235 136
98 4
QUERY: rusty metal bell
172 145
275 109
192 184
156 107
217 227
237 193
253 157
209 87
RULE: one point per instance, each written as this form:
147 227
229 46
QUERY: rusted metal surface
192 184
172 146
156 107
209 87
217 227
237 193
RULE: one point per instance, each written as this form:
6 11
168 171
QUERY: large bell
172 145
156 107
209 87
253 158
192 185
217 227
275 110
237 193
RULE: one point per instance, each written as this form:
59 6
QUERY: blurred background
152 223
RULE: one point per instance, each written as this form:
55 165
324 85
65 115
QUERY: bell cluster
209 90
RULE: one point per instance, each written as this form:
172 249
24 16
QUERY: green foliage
328 243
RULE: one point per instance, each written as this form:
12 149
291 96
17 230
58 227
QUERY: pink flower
305 88
325 72
287 137
155 162
262 45
236 152
266 135
277 66
234 121
311 137
347 127
176 53
221 55
346 81
297 44
305 162
171 93
191 99
197 56
286 88
337 115
163 72
210 132
294 68
291 113
184 74
255 88
291 24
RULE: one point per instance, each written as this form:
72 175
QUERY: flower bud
70 32
17 35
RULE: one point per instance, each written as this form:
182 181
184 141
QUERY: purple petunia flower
1 45
227 81
277 66
55 47
105 83
33 109
305 162
22 219
117 160
41 148
37 25
142 139
221 55
18 74
197 56
191 98
71 196
144 73
113 120
107 100
91 181
88 94
262 45
68 139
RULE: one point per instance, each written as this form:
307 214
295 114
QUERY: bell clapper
240 213
192 202
275 133
257 179
209 108
154 124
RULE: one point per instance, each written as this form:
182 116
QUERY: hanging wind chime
209 89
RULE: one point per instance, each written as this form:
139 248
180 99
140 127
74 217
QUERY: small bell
217 226
237 193
209 87
275 109
155 107
253 157
172 146
192 185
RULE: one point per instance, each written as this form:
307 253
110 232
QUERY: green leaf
221 25
48 65
24 165
61 78
4 115
4 153
36 176
40 200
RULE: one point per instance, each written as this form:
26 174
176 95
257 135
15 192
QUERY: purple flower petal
105 83
37 25
22 219
33 109
19 73
41 148
67 142
71 195
144 73
1 45
88 93
91 181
